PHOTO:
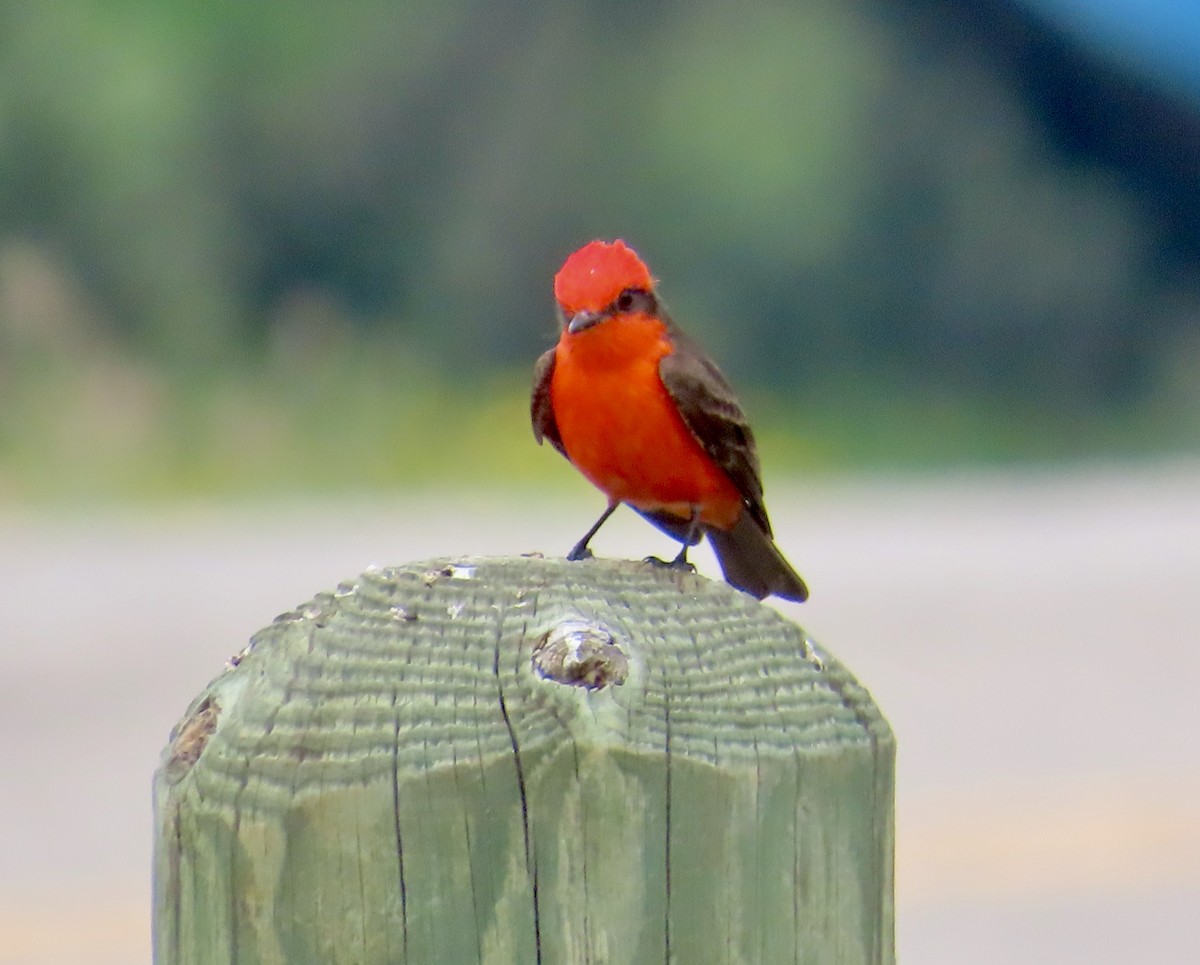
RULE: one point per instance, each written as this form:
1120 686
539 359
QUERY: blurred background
273 277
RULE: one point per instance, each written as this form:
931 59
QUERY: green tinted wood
388 775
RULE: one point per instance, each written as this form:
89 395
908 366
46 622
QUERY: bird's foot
679 563
579 552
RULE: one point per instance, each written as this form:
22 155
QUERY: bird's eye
625 300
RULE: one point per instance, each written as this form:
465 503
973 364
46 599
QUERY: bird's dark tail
751 561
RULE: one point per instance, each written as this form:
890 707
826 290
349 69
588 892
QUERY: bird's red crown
597 273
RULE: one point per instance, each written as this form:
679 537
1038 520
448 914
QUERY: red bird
650 420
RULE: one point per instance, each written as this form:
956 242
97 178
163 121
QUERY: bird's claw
676 564
580 553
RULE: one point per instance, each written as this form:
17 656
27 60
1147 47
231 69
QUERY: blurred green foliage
254 245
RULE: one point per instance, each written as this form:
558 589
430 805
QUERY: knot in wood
580 653
189 737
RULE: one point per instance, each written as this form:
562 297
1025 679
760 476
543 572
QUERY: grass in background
96 427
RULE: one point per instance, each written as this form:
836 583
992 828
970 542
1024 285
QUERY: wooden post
527 761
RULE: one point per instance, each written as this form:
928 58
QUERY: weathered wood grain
392 774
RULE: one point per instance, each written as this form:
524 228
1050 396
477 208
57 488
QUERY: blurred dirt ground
1033 639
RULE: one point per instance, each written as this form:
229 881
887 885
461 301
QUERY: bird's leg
580 550
681 561
689 537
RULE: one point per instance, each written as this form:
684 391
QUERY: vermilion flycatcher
645 415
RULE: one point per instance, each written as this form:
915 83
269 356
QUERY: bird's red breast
622 429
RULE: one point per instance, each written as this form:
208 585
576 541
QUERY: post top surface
421 664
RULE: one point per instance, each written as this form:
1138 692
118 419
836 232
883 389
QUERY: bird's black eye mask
632 300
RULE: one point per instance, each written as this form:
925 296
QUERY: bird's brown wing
710 410
541 409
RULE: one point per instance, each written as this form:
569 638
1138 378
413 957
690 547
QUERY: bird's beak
581 320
